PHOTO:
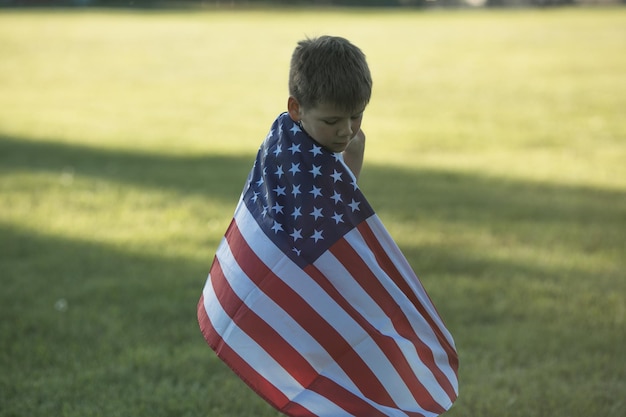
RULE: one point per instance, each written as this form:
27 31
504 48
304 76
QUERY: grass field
496 158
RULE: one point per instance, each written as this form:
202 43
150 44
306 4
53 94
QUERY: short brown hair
330 69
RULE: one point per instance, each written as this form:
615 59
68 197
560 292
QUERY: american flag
310 301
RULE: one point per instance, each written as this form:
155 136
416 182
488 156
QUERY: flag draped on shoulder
311 302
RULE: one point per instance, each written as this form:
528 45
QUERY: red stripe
256 381
281 351
362 274
390 269
326 335
387 345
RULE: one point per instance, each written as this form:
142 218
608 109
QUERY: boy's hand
353 155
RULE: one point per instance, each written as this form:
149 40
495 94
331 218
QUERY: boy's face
330 127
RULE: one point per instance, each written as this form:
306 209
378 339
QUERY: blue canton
301 194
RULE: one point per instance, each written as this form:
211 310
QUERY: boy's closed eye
334 121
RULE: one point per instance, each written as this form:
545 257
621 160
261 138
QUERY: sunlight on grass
495 156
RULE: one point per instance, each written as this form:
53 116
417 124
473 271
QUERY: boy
308 299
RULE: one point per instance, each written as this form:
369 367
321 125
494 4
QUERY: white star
279 171
317 192
294 148
259 182
279 191
297 234
270 134
338 218
336 197
264 212
316 150
317 235
296 212
277 227
296 190
295 129
297 251
336 175
337 157
354 205
278 150
317 212
317 170
277 208
255 197
295 168
354 184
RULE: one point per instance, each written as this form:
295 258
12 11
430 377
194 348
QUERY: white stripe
317 298
367 307
273 314
263 363
420 326
320 301
284 324
394 253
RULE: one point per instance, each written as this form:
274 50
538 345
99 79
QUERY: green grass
496 149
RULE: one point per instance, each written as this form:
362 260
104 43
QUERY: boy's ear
293 108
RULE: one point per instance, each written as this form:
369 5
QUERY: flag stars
297 234
316 170
277 227
278 150
317 235
317 213
295 168
279 191
295 129
316 150
296 212
279 171
277 208
296 190
294 148
338 218
316 191
336 175
354 205
337 197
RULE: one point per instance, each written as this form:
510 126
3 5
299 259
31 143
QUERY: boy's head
330 70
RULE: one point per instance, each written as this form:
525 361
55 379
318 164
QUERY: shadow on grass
90 329
405 194
127 331
209 175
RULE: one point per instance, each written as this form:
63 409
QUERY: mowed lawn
496 158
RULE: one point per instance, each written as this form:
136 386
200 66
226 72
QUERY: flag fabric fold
310 301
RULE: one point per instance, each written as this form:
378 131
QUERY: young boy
328 95
308 299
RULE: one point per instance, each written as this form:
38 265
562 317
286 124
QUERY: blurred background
318 3
495 157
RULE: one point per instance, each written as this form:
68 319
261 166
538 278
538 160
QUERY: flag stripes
390 258
302 304
310 301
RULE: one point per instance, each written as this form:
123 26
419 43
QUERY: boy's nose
345 129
